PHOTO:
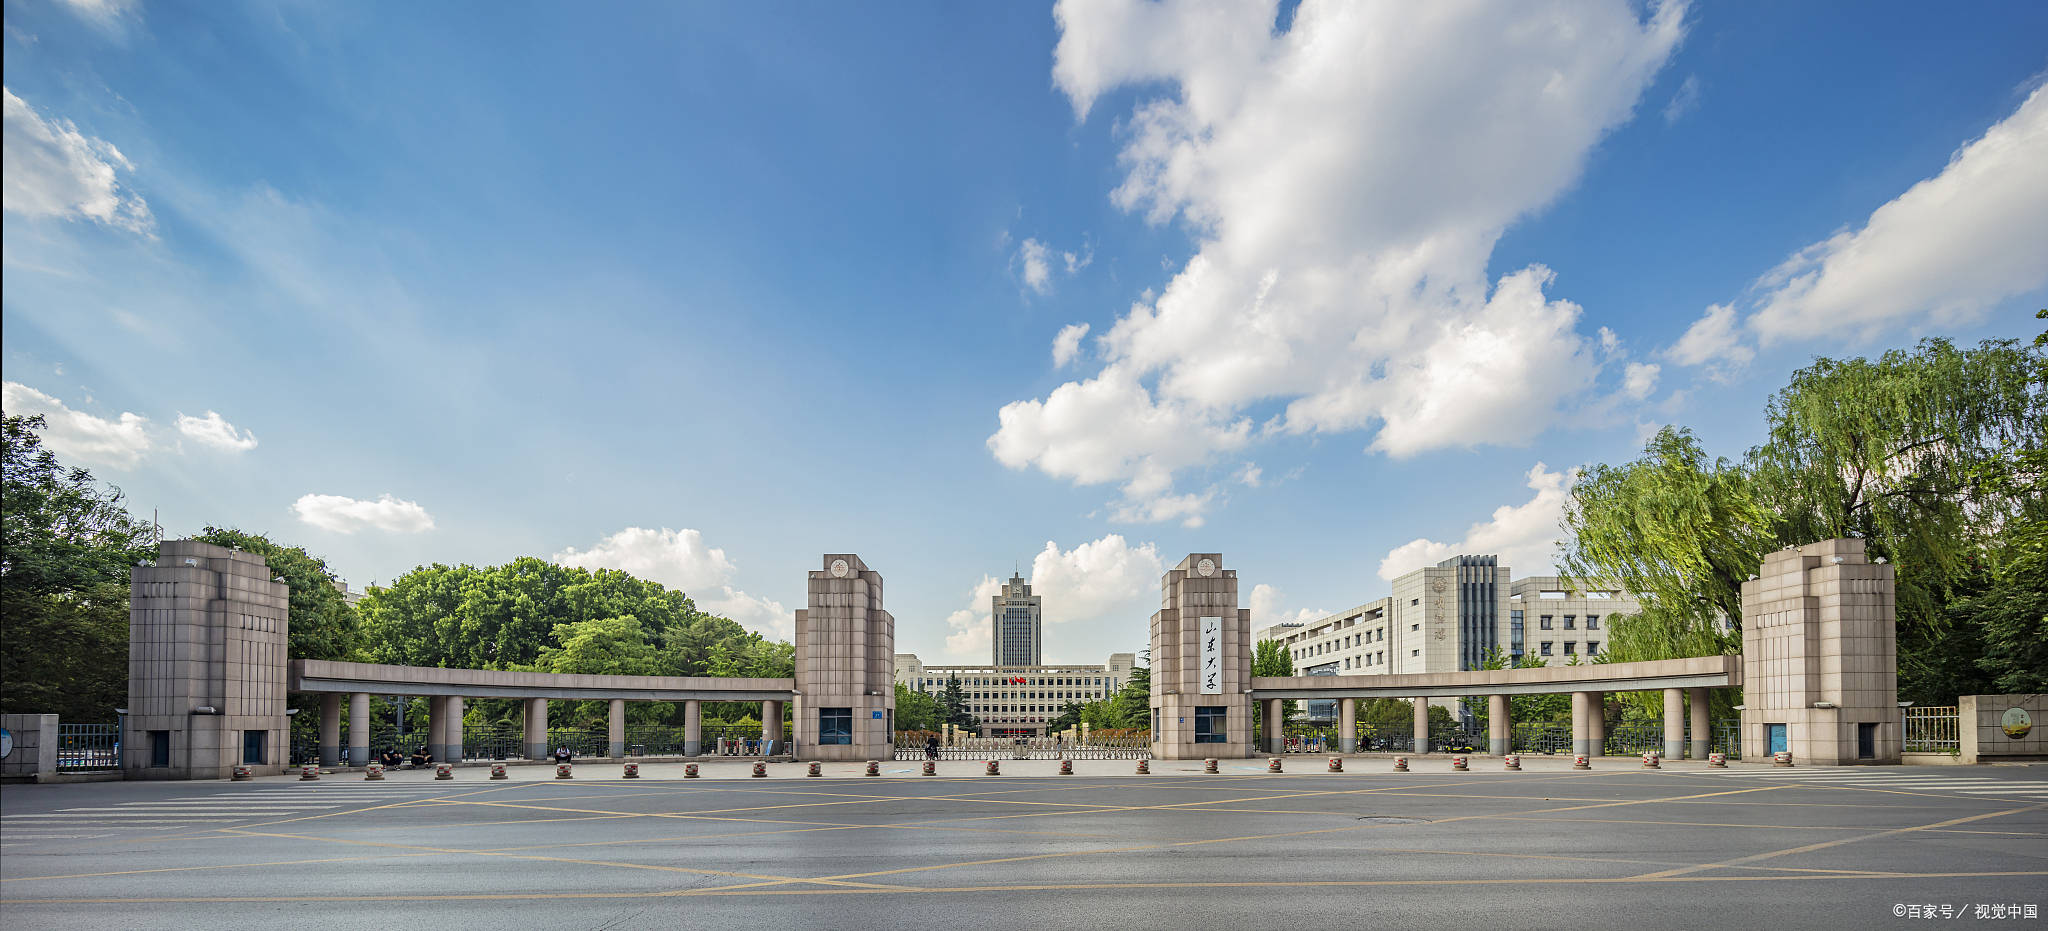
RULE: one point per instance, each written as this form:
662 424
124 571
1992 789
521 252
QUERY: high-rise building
1014 611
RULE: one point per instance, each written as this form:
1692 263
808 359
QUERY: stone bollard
1209 766
874 768
1511 762
498 771
689 770
760 770
242 774
1717 760
1459 763
815 770
1580 762
1650 761
309 773
1336 764
993 769
1273 765
444 770
1400 764
632 771
562 771
930 768
1144 767
1066 767
373 772
1782 758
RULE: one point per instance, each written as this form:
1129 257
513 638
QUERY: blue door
1776 734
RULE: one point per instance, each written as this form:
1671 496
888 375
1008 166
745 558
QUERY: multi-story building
1018 701
1449 617
1016 616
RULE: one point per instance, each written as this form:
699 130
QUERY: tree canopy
323 625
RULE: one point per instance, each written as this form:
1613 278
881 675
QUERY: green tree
1070 716
2012 613
323 625
67 546
1271 658
1522 709
917 711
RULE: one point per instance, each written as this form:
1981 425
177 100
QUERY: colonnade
445 735
1589 723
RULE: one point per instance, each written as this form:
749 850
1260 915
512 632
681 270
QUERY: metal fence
1540 738
915 745
85 747
1728 738
1933 729
1634 739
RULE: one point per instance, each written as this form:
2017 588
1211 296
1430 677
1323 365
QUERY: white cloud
1686 100
1104 581
1346 182
1712 341
55 171
106 14
1266 607
1639 379
1034 260
343 514
1943 252
1524 536
77 435
681 560
214 430
1067 344
1250 475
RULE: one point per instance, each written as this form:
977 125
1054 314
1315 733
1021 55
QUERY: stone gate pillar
845 703
208 636
1820 658
1201 663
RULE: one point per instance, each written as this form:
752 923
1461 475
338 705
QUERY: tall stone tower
208 640
845 656
1201 663
1014 612
1820 662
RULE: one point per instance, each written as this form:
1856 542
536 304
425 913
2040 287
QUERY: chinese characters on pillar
1212 656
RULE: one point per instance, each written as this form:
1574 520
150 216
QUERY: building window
1543 622
1209 724
1414 601
835 725
1571 622
1571 648
1414 652
1546 648
1592 647
1592 622
1414 627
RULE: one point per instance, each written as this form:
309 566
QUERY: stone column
1347 725
1497 725
452 737
1422 725
536 728
1702 728
616 741
1596 722
1582 732
1276 725
771 725
358 728
437 727
1674 723
693 727
330 729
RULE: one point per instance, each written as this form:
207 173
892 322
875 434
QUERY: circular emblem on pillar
1205 568
1438 584
2016 722
839 568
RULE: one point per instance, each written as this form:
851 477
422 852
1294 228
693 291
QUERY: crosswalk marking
1960 783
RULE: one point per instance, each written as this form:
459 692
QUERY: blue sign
878 716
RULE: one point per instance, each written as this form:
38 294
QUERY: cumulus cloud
1036 261
1940 253
1267 609
1712 341
1346 181
1104 581
1524 535
214 430
343 514
1639 379
53 170
1067 344
680 559
78 436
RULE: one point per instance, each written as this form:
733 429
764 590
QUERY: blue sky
705 293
